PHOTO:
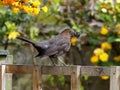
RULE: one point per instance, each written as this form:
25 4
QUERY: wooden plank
0 78
115 78
75 78
36 79
59 70
56 70
19 69
4 52
3 77
95 70
8 60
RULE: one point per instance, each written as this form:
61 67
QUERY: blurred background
98 21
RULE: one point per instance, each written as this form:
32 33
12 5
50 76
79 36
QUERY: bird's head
70 33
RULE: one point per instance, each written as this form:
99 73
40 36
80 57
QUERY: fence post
36 79
75 78
6 59
3 76
115 78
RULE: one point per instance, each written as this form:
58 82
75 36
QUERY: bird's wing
59 47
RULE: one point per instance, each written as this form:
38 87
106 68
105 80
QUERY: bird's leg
59 59
52 60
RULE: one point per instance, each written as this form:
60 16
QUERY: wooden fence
74 71
7 69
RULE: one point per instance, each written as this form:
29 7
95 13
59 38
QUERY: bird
55 46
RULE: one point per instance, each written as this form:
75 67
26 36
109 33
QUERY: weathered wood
6 77
19 69
36 79
75 78
0 78
3 77
95 70
115 78
59 70
4 52
8 60
74 71
56 70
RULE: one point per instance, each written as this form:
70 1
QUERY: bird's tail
26 40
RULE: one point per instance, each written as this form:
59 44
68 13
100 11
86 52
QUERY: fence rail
74 71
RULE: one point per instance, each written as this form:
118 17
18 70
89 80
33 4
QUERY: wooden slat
19 69
115 78
59 70
4 52
95 71
36 79
56 70
75 78
0 78
3 80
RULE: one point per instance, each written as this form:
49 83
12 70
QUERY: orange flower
25 1
10 2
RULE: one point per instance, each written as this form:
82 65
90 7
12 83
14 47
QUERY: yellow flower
25 9
98 51
118 32
35 3
13 35
116 58
15 4
44 9
73 41
104 57
106 46
104 31
118 26
94 59
15 10
105 77
36 11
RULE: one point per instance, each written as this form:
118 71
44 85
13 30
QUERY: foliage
108 36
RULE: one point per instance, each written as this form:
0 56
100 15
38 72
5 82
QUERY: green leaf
111 39
117 40
86 77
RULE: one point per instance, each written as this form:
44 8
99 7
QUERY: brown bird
53 47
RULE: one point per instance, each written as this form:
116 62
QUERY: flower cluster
109 35
11 30
100 54
28 6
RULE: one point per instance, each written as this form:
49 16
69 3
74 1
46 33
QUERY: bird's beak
77 34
